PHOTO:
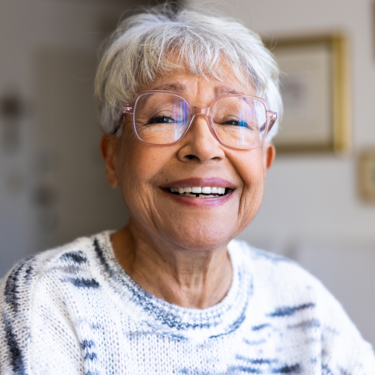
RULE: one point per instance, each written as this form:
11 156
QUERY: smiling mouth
199 192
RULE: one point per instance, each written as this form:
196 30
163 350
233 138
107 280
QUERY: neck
184 277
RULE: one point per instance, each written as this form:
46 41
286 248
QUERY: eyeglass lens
162 118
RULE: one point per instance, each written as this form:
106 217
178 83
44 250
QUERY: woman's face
145 174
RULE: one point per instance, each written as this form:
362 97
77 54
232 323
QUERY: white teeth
205 191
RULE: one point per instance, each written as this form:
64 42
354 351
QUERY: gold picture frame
315 90
366 175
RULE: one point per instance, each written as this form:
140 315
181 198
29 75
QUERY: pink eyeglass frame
128 109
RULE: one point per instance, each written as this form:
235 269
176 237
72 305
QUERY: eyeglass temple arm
273 118
125 109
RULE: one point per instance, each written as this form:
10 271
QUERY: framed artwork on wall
366 175
314 87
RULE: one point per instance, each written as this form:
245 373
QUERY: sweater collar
173 320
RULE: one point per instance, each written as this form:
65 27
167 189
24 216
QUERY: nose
199 143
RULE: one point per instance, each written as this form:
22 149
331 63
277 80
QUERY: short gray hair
141 47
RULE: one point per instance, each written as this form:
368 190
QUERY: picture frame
366 175
315 90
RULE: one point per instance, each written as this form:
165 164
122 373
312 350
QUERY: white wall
27 28
311 208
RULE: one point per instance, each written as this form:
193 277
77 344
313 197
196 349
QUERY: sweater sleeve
36 334
344 351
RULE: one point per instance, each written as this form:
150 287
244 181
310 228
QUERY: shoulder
271 267
30 270
285 289
288 295
34 306
282 278
45 270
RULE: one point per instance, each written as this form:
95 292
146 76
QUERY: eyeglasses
164 117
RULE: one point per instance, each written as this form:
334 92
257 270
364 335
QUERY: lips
200 182
200 191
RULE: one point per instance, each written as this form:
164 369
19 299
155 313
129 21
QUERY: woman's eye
234 122
160 120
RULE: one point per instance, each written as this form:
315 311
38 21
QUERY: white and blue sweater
74 310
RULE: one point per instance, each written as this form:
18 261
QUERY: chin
201 237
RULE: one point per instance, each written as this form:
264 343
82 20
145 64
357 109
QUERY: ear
269 153
108 150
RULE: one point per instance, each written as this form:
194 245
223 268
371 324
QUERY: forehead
185 82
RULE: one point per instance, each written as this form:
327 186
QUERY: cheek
135 158
140 165
249 166
139 168
250 169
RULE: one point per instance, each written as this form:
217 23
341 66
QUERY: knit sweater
74 310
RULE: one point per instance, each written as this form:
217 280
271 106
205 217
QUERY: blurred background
52 182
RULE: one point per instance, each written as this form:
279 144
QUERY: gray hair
140 50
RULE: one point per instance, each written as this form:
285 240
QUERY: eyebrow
219 91
179 87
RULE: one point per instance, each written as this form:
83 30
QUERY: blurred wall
311 209
52 181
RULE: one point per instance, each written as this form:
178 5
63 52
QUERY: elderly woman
188 105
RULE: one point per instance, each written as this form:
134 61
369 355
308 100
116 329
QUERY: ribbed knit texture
74 310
